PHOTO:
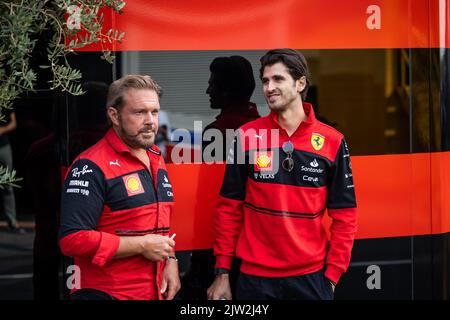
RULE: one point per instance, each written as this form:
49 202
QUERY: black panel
395 283
165 192
431 266
382 249
429 99
310 170
393 258
118 198
445 100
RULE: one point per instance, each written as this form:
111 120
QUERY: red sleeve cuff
333 273
109 243
223 262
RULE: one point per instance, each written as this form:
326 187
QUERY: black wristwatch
218 271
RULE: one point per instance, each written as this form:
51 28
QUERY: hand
155 247
171 280
220 288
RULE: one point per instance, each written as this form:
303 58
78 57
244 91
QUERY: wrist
222 274
221 271
223 277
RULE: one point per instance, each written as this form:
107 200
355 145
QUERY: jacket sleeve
82 203
341 205
229 209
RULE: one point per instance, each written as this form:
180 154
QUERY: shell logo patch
263 161
133 184
317 141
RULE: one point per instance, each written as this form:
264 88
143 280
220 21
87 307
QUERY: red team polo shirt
109 193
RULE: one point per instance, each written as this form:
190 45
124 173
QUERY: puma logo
116 163
259 136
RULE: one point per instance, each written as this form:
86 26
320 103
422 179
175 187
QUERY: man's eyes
141 112
276 79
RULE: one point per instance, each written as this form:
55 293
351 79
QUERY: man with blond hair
117 201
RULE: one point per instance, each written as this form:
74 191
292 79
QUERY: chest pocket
130 191
165 192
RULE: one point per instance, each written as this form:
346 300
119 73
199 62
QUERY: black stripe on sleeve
236 172
341 190
82 197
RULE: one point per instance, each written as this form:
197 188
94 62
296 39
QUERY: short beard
133 141
277 108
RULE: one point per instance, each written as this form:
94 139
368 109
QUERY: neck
139 152
291 118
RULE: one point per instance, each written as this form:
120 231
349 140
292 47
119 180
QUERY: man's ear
113 115
301 84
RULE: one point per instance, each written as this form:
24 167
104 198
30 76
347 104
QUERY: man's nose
149 118
270 86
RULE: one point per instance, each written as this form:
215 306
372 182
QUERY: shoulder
93 157
331 133
324 140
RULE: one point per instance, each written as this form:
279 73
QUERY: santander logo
314 164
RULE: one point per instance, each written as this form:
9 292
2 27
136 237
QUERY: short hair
118 88
294 61
235 76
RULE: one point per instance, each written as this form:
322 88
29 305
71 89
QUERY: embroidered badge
263 161
317 141
133 184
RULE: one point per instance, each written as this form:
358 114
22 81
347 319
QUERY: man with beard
116 204
270 209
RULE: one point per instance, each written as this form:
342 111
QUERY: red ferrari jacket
108 193
272 218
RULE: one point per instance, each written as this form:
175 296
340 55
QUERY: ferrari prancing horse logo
317 141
